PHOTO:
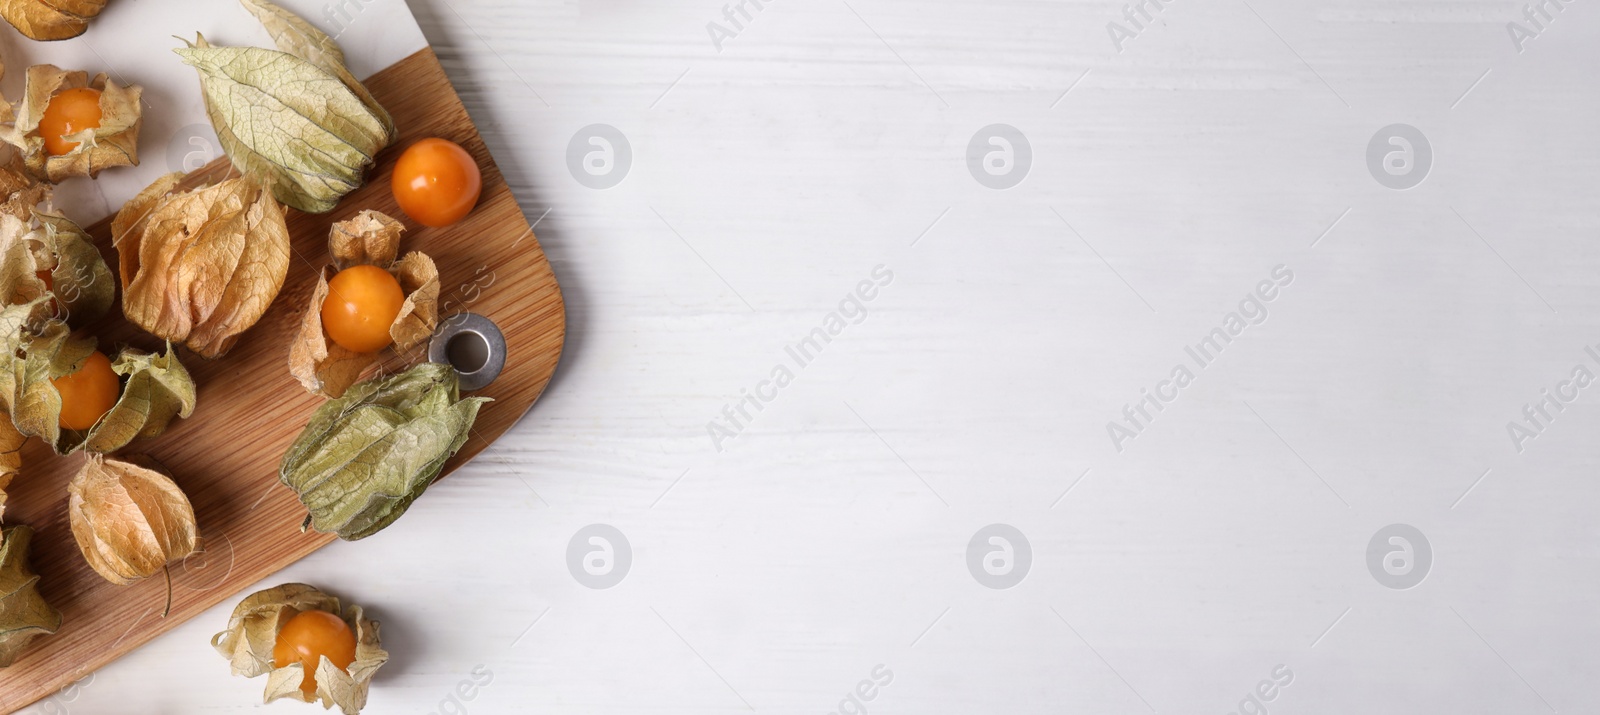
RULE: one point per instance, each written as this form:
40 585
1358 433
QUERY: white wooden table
774 563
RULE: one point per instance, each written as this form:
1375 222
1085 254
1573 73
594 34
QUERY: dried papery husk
200 267
365 456
419 314
114 143
50 19
20 194
48 244
11 442
40 352
130 521
156 389
19 262
293 116
80 280
19 322
294 35
369 238
37 348
253 631
24 615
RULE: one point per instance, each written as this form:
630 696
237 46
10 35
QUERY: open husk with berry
53 281
332 348
309 648
47 128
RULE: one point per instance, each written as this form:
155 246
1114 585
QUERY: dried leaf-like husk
297 37
130 521
38 353
19 262
80 280
10 458
50 19
369 238
19 320
45 243
364 457
253 631
38 349
287 119
201 267
20 193
253 628
114 143
157 389
419 314
24 615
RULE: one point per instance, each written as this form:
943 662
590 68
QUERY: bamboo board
226 455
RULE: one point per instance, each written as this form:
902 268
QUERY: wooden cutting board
226 455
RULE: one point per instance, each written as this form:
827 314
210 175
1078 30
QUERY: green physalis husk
23 613
79 277
253 631
368 454
156 388
293 117
38 349
80 285
11 442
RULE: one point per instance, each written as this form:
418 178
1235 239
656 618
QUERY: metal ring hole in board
473 345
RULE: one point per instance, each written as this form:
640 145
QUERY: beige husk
81 286
20 194
50 19
130 521
114 143
200 267
10 458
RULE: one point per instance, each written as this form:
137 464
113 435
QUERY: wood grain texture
226 455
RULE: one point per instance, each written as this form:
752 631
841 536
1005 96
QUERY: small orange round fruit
362 303
69 112
89 393
436 182
309 636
